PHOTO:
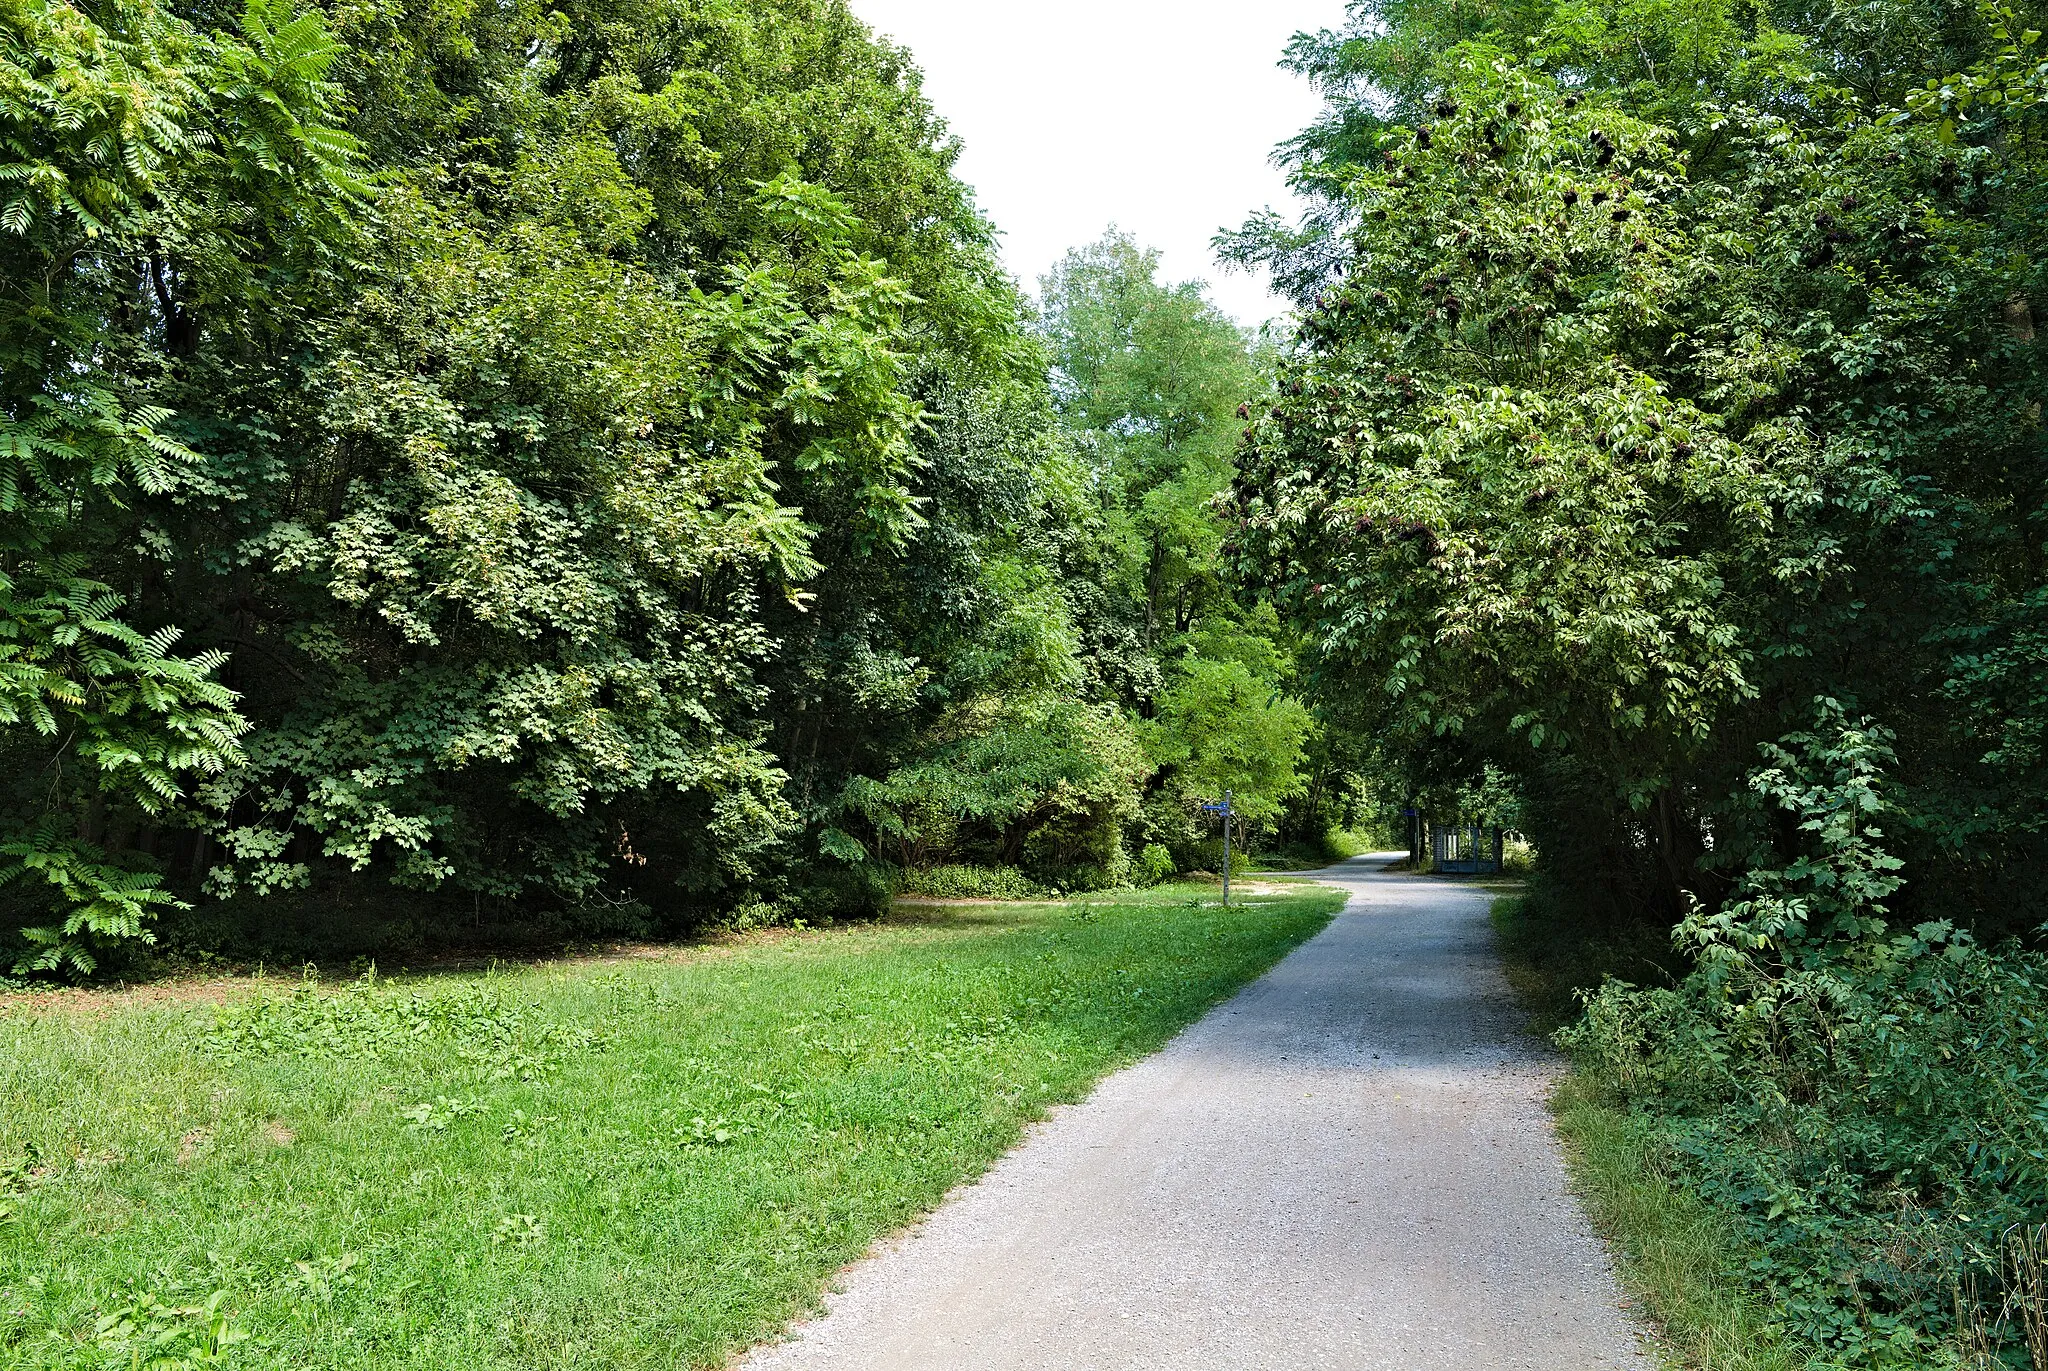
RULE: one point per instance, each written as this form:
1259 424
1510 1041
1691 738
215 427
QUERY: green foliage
15 1175
559 438
1154 865
957 882
116 146
135 718
1036 737
1221 727
564 463
1659 453
1677 1255
1829 899
1511 503
1595 451
102 902
1147 376
1866 1101
1050 778
150 1334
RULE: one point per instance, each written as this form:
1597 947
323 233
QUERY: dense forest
1659 466
580 470
585 472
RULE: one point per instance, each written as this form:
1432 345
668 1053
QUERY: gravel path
1348 1165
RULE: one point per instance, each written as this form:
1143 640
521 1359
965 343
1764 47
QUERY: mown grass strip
619 1164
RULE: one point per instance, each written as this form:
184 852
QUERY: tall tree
1147 375
486 455
1673 447
159 181
1151 379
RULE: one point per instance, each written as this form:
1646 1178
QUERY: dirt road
1348 1165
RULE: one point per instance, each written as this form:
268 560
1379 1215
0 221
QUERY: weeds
147 1333
1683 1263
313 1285
16 1175
434 1116
519 1230
369 1021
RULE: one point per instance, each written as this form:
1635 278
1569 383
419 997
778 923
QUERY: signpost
1226 811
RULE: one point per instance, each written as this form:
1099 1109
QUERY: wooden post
1226 849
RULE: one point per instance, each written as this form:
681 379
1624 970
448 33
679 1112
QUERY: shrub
1155 864
831 890
1878 1137
1207 855
958 882
1866 1103
1341 844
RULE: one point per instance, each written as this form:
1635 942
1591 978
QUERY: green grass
1677 1257
623 1163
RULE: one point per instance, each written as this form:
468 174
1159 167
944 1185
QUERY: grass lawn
640 1161
1673 1253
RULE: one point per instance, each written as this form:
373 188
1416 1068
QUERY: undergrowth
1682 1262
1859 1109
1679 1258
962 882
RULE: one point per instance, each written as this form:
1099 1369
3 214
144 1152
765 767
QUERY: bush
1878 1138
1207 855
1342 844
1333 846
829 890
1155 864
957 882
1865 1103
1069 879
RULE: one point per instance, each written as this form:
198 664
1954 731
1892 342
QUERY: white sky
1157 115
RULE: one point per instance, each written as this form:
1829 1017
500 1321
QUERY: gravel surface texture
1349 1165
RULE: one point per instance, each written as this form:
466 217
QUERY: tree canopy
1662 437
587 468
587 465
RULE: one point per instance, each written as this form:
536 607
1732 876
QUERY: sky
1157 115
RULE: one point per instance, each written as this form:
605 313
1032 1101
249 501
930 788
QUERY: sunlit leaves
1490 508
